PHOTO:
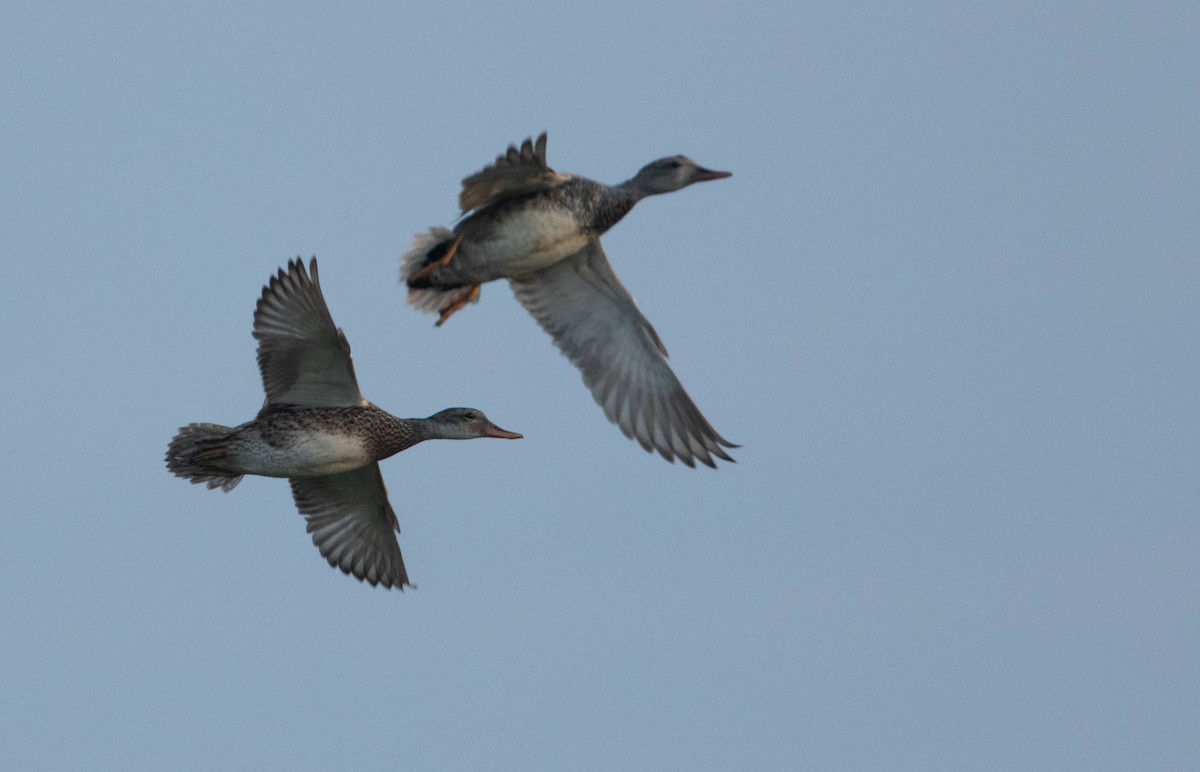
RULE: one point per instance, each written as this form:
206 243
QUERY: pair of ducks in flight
522 221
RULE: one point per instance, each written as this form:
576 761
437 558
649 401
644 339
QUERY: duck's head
670 174
465 423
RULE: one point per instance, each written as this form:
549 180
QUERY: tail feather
193 451
426 297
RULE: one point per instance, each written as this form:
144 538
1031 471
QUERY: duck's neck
632 190
401 434
607 204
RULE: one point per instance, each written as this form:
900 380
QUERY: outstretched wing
353 524
596 324
304 358
516 173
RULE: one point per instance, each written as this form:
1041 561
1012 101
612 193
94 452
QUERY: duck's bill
495 431
703 174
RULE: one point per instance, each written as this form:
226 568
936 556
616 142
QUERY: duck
317 430
540 229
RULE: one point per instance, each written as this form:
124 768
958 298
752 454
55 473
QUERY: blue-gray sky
948 303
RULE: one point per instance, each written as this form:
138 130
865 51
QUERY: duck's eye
470 416
674 165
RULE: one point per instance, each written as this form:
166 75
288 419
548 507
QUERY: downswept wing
353 524
596 324
516 173
303 357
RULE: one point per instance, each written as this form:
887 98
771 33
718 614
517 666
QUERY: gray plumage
541 230
317 430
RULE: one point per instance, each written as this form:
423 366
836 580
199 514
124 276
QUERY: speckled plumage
317 430
290 441
541 230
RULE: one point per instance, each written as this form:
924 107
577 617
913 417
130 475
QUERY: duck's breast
307 453
519 242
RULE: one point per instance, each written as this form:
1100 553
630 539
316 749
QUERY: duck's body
317 430
541 230
522 235
309 441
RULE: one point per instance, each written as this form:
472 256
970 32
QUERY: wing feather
596 324
517 172
353 524
303 357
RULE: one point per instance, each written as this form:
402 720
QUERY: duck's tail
423 290
194 451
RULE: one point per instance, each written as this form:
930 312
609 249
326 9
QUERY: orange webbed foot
432 268
448 310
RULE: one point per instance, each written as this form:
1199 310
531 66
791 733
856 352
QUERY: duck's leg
470 296
431 268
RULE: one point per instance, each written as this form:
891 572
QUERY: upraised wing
596 324
516 173
302 355
353 524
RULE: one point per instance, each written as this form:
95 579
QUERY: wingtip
386 581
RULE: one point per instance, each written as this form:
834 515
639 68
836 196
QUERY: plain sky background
948 303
